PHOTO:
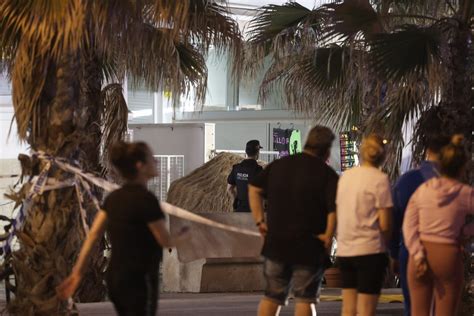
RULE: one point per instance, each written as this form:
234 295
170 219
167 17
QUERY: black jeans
133 294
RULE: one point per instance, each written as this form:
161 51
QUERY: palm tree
375 64
66 61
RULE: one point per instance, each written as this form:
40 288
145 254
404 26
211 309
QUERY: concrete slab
214 260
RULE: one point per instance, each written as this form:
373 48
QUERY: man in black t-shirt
301 194
241 174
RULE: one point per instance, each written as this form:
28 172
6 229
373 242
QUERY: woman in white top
364 205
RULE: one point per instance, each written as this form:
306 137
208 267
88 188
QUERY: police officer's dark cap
252 147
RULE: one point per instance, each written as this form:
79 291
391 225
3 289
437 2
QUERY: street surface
239 304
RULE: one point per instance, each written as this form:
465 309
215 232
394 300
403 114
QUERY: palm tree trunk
92 288
52 235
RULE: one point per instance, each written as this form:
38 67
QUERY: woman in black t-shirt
136 226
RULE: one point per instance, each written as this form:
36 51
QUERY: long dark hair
124 157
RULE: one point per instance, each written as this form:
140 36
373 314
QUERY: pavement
235 304
242 304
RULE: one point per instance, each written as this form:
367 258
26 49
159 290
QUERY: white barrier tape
187 215
53 184
99 182
166 207
88 190
80 200
39 186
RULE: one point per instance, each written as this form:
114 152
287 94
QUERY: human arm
326 238
256 206
468 230
411 233
385 223
232 190
384 206
330 200
256 190
67 288
162 236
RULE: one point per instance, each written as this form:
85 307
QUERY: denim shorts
303 281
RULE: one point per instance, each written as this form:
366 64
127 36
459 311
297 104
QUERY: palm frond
410 50
193 69
210 25
273 20
401 104
52 26
429 8
280 30
349 19
28 75
174 47
115 118
323 82
170 14
172 63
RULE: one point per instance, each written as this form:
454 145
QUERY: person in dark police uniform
241 174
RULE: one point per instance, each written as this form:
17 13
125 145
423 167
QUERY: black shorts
364 273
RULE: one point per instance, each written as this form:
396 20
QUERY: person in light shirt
433 228
364 205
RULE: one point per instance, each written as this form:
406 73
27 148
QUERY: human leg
268 308
367 304
421 290
349 302
306 281
371 272
349 286
133 293
277 276
445 262
305 309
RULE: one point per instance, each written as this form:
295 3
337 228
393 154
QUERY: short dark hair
251 152
453 157
319 140
124 156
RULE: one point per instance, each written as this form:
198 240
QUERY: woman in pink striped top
434 225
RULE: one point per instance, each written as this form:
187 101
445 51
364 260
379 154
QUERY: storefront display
287 141
349 150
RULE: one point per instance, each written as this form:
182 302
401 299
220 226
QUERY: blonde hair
372 149
453 157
